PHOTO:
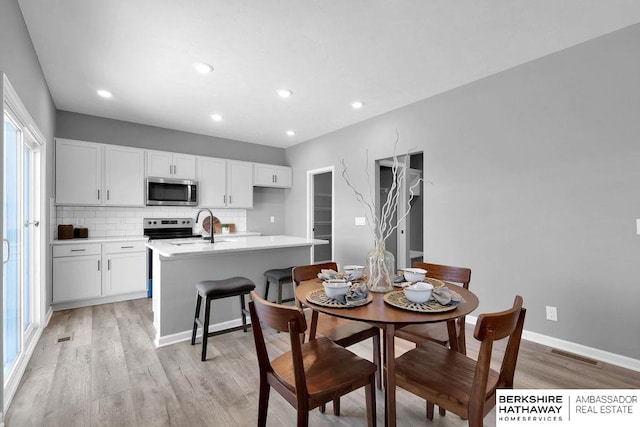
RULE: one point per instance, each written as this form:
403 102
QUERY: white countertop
139 238
227 243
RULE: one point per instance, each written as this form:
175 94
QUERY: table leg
390 376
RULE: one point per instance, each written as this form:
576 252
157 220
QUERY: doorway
406 241
22 238
320 212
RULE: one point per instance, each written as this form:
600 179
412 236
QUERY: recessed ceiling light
202 68
104 93
290 133
285 93
357 105
216 117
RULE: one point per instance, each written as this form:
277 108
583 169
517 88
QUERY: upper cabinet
89 174
123 176
224 183
164 164
78 173
211 174
271 176
239 184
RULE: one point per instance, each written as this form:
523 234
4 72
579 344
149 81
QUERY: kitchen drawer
76 250
121 247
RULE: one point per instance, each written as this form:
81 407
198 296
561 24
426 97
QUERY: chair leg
377 361
263 403
303 417
244 314
205 328
462 340
279 299
370 394
266 289
336 406
197 315
429 410
322 408
442 411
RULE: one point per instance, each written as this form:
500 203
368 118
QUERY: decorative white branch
381 226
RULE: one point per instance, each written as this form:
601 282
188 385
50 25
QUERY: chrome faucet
212 224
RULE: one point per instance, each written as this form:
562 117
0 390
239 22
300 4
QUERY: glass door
18 242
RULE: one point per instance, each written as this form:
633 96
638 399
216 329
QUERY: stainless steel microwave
171 192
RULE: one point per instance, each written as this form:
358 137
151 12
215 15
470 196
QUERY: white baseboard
579 349
186 335
98 301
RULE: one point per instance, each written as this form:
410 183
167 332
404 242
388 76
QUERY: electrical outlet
552 313
360 220
273 219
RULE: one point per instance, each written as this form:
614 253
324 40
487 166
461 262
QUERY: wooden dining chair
437 332
311 373
458 383
343 332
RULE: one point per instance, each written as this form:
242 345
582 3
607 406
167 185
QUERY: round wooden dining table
389 318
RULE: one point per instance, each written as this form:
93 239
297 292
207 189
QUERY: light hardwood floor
110 374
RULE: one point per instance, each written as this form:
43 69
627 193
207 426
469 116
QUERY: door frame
41 311
311 205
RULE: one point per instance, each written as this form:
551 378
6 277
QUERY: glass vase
381 264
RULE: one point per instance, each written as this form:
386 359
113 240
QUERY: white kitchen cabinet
164 164
224 183
92 174
78 173
94 273
124 268
76 272
271 175
211 175
123 176
239 184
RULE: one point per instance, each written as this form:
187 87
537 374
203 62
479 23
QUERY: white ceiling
387 53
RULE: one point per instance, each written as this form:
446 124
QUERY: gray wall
107 131
535 177
19 62
267 202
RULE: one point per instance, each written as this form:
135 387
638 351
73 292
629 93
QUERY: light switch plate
638 226
360 220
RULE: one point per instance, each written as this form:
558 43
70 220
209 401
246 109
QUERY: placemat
397 299
319 297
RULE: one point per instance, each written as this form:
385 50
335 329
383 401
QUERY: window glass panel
11 233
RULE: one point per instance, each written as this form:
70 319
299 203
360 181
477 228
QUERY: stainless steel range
168 228
164 228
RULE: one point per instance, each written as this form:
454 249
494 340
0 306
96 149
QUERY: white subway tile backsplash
107 221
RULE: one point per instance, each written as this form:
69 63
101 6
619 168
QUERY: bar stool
280 276
217 289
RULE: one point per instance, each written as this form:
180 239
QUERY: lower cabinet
124 268
92 271
76 277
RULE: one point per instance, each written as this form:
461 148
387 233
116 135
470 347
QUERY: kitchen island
181 263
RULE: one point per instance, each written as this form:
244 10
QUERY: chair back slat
308 272
499 325
447 273
489 328
277 316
